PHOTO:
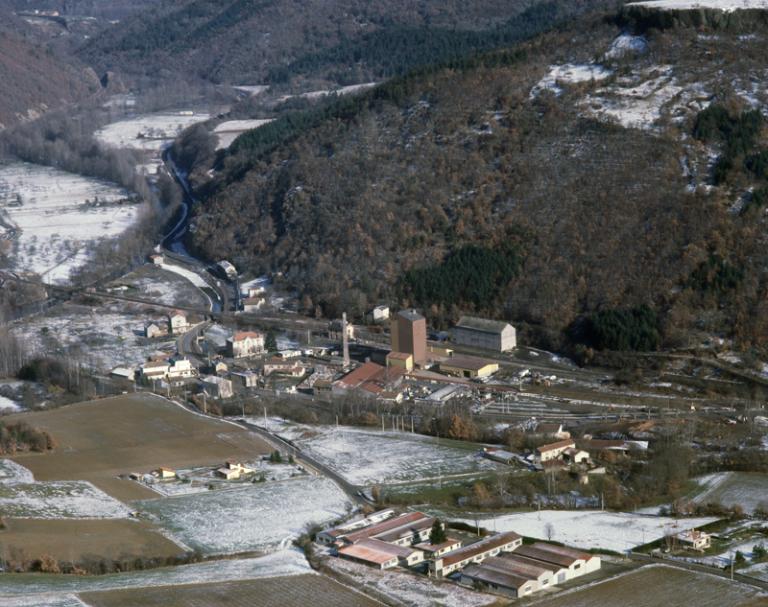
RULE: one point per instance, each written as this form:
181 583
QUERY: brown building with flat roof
409 335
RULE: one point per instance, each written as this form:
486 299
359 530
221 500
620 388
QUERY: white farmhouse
245 343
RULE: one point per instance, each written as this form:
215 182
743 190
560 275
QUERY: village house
217 387
552 451
180 368
155 329
695 540
379 314
253 303
245 343
178 323
157 259
475 553
468 367
153 370
255 291
277 366
125 374
495 335
246 379
233 470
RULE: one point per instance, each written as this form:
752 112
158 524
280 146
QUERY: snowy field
149 133
261 516
746 489
569 73
191 276
54 217
617 531
22 497
102 339
163 286
227 132
370 456
16 589
724 5
410 589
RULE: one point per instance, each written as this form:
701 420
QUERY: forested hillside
248 41
33 78
570 181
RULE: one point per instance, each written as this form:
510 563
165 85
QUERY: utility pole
265 417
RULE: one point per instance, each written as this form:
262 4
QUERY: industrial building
475 553
409 335
468 367
495 335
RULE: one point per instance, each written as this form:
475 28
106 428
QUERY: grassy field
74 540
746 489
100 440
293 591
659 585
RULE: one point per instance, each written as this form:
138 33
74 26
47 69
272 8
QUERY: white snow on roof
723 5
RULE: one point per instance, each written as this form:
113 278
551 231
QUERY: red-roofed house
245 343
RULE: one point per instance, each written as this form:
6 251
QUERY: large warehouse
487 334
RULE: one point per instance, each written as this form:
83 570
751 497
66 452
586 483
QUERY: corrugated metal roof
493 576
388 525
482 324
516 567
485 545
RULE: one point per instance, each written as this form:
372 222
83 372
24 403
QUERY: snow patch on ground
58 499
626 44
261 516
723 5
639 106
227 132
102 340
569 73
191 276
6 404
45 213
281 563
370 456
617 531
12 473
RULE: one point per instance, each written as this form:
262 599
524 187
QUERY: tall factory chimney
345 339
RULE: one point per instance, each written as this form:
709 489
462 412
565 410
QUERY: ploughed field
99 440
75 540
657 585
293 591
